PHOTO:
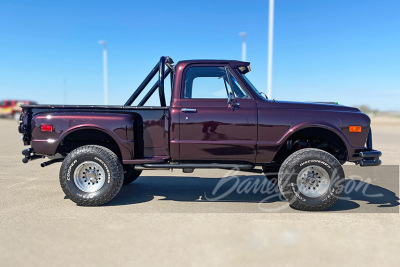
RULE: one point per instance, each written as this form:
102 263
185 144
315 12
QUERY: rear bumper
29 155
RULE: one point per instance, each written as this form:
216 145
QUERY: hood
314 106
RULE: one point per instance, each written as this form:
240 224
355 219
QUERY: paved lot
165 218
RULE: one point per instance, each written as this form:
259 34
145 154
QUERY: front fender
291 131
268 149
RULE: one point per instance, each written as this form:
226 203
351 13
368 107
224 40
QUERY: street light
65 91
270 44
243 34
104 43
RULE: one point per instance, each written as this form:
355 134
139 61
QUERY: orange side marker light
355 129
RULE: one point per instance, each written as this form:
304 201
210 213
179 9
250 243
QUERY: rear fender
118 126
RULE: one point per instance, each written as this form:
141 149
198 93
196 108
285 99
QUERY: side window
211 83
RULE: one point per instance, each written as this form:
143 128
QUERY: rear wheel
311 179
91 175
130 174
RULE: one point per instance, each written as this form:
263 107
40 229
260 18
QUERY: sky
333 50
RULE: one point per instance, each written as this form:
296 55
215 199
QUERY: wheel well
313 138
87 137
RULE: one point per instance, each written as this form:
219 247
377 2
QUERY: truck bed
146 126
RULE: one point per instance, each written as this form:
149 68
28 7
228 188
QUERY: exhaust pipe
47 163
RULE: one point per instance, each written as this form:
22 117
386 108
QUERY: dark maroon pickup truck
215 119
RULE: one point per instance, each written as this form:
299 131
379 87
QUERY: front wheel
311 179
91 175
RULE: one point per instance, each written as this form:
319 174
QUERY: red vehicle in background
12 108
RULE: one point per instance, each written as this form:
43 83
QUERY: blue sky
346 51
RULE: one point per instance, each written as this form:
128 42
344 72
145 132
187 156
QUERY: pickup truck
215 118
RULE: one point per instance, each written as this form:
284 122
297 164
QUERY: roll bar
160 68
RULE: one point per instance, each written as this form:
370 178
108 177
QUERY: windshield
263 95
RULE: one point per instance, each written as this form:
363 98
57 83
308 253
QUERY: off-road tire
108 160
130 174
298 161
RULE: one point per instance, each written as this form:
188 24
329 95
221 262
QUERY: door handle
189 110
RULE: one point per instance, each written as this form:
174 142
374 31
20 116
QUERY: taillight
46 128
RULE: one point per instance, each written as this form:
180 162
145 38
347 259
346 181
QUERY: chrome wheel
313 181
89 176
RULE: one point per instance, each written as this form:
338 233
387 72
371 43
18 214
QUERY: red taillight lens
46 128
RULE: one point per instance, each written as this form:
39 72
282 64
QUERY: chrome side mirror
232 101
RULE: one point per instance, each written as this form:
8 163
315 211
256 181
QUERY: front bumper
370 157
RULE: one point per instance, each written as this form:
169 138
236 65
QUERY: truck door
210 129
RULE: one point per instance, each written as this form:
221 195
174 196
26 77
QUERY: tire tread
300 156
115 167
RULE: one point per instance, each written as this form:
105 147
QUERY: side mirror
232 101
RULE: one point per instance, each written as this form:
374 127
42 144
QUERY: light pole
104 43
243 34
270 46
65 91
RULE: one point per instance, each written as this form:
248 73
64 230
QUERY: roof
233 63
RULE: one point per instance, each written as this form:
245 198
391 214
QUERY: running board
194 166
